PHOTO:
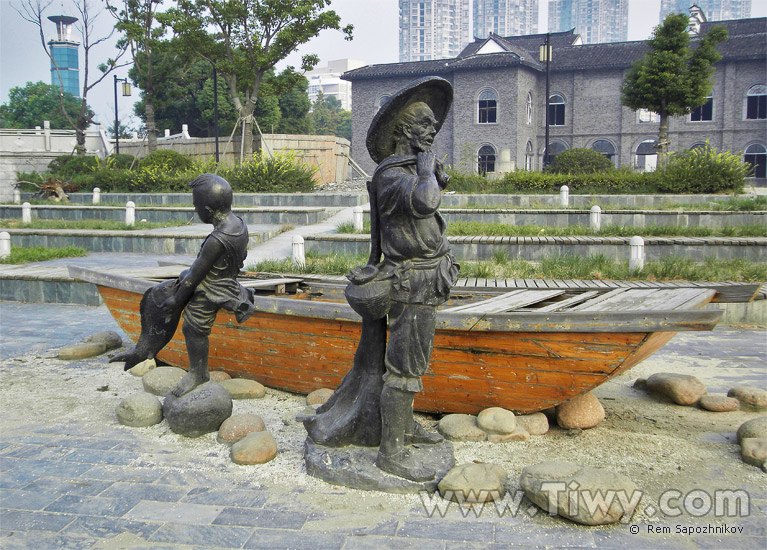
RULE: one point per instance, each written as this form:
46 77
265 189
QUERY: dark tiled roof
523 50
738 26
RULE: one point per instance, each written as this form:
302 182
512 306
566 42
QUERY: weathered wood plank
577 299
508 301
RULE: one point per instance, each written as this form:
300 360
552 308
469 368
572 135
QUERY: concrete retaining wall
539 248
280 216
578 201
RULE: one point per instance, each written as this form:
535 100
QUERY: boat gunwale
522 321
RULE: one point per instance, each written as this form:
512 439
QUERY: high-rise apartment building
715 10
595 20
433 29
505 17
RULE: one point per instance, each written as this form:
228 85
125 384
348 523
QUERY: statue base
355 467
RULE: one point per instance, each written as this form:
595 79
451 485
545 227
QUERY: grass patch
110 225
556 267
22 255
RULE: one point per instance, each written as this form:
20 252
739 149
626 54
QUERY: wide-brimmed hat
436 92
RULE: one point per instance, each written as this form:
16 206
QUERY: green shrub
67 166
704 170
167 160
580 161
282 173
121 161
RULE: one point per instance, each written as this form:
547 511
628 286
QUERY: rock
568 483
139 410
754 399
584 411
198 412
238 426
254 448
161 380
242 388
718 403
142 368
109 338
756 427
753 450
81 351
519 434
497 420
473 483
318 397
682 389
535 424
219 376
640 383
461 427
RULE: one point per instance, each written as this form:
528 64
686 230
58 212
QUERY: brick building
497 122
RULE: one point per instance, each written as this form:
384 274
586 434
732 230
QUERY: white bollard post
130 213
5 244
357 218
96 195
636 260
595 218
564 196
299 254
26 213
16 196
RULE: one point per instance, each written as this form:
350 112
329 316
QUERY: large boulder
83 350
682 389
497 420
199 411
318 397
534 424
718 403
756 427
160 380
139 410
571 491
582 412
753 450
238 426
109 338
242 388
473 483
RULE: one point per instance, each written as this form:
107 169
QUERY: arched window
756 156
756 102
487 105
486 159
704 113
529 108
529 156
699 146
646 156
555 147
556 110
605 147
381 100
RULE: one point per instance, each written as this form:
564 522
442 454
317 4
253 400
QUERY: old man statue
373 406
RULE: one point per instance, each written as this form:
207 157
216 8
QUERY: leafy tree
673 78
329 119
30 105
32 11
294 108
144 33
248 38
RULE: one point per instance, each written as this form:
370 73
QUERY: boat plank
590 304
508 301
573 300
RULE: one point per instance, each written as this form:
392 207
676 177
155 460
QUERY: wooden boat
521 349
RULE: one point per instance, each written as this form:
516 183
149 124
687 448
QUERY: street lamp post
545 55
126 92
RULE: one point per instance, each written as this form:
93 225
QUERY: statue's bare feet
404 464
417 434
189 382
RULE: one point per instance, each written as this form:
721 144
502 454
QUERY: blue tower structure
64 52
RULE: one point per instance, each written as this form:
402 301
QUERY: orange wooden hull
469 371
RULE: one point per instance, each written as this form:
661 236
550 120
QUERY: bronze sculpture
374 403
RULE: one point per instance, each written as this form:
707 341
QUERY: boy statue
208 285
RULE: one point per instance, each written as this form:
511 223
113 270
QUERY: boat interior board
509 301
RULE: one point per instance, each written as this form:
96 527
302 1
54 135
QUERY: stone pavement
78 484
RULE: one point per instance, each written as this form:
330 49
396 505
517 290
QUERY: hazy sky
376 36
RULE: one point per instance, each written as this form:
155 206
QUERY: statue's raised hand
426 162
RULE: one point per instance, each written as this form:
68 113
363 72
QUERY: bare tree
33 12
